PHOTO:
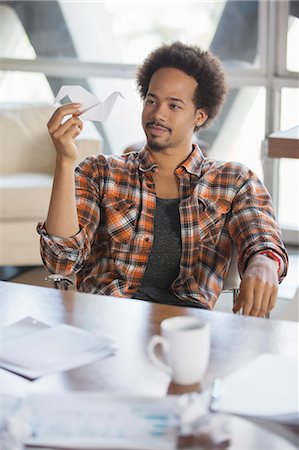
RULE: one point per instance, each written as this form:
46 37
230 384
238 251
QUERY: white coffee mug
186 344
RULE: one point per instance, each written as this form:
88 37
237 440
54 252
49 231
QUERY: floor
285 309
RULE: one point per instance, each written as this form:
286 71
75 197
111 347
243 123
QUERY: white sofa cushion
27 163
24 196
24 138
19 243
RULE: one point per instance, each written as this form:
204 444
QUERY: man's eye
149 101
174 106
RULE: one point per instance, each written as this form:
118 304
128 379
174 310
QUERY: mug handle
154 341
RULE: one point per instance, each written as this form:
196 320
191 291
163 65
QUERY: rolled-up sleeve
67 255
253 225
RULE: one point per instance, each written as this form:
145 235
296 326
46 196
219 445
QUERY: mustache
157 124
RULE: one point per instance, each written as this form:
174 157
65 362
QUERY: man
159 224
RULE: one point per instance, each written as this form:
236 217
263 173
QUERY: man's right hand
64 134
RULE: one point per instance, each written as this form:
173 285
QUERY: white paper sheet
12 384
32 348
267 388
91 107
92 421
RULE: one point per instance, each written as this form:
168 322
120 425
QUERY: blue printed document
80 420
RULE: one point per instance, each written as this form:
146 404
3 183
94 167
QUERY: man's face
169 115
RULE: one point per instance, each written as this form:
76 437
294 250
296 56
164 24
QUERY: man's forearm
62 219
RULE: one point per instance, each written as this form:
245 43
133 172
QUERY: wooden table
236 340
284 144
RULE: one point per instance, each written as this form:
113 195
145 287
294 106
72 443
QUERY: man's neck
170 158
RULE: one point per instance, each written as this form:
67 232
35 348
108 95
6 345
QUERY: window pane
124 32
293 41
123 127
22 87
289 116
288 212
238 133
14 40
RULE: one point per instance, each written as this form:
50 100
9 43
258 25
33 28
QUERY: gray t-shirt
164 260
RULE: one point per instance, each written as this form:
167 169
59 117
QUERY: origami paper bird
91 107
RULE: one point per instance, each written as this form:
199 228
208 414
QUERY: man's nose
160 112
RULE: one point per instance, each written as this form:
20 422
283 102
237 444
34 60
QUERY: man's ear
201 116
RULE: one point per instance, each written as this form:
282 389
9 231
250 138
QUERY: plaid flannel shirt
219 202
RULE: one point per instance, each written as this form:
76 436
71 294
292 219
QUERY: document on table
267 388
91 107
32 348
80 420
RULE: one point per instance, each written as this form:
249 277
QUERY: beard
157 146
153 142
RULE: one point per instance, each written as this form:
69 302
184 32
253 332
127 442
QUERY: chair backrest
232 280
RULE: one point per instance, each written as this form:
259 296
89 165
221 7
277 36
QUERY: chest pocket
120 218
211 219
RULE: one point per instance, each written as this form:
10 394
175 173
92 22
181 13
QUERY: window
123 32
119 33
293 39
242 130
22 87
288 200
98 45
289 194
113 31
289 113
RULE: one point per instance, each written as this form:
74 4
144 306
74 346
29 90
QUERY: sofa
26 166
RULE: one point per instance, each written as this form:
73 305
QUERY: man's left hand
259 287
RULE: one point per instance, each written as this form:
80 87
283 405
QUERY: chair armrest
60 281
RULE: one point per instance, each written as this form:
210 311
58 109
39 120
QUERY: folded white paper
13 384
267 388
91 107
39 349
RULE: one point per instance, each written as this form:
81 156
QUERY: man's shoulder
233 168
102 162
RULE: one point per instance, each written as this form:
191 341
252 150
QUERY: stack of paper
32 348
267 388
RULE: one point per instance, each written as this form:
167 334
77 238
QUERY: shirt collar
146 161
192 164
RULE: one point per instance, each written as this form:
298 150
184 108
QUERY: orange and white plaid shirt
116 200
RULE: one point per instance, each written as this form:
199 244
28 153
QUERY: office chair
232 280
59 281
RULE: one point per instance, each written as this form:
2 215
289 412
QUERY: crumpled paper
200 427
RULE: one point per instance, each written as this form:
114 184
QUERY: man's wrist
272 255
64 161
